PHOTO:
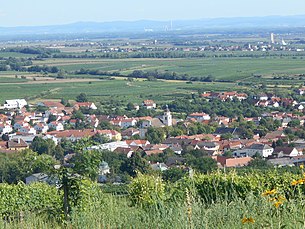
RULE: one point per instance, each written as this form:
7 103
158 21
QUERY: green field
100 91
221 68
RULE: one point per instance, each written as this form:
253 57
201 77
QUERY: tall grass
117 213
190 210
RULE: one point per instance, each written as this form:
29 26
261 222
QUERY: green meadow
221 68
99 91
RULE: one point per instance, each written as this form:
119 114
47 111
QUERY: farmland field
220 68
109 89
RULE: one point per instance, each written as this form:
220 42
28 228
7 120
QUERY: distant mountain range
158 26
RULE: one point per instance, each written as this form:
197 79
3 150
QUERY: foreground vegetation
274 199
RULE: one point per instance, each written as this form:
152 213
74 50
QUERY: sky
54 12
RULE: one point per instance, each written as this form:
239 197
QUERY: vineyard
273 199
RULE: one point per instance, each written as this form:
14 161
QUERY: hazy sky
46 12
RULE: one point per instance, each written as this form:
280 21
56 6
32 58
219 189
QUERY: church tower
167 117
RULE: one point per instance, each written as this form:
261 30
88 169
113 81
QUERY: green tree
156 135
87 163
204 165
135 163
16 167
173 174
82 97
259 163
42 146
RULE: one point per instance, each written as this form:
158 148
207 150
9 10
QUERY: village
21 123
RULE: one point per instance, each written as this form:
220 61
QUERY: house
286 152
231 145
128 122
111 134
51 104
274 135
27 130
150 152
177 149
41 128
93 120
28 138
15 103
87 105
141 143
211 148
73 135
128 151
149 104
228 162
130 132
199 117
5 128
57 126
111 146
17 144
261 149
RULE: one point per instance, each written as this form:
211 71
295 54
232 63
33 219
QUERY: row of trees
169 76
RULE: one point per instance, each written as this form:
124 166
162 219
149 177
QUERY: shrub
146 190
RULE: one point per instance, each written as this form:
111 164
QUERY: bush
146 190
37 198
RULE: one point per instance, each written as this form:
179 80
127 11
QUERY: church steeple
167 117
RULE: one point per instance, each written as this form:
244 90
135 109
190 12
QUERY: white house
88 105
58 126
287 152
15 103
199 116
41 127
261 149
125 123
111 146
27 130
149 104
5 129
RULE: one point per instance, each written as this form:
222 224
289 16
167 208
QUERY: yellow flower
272 199
277 204
247 220
294 183
301 166
281 198
268 193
